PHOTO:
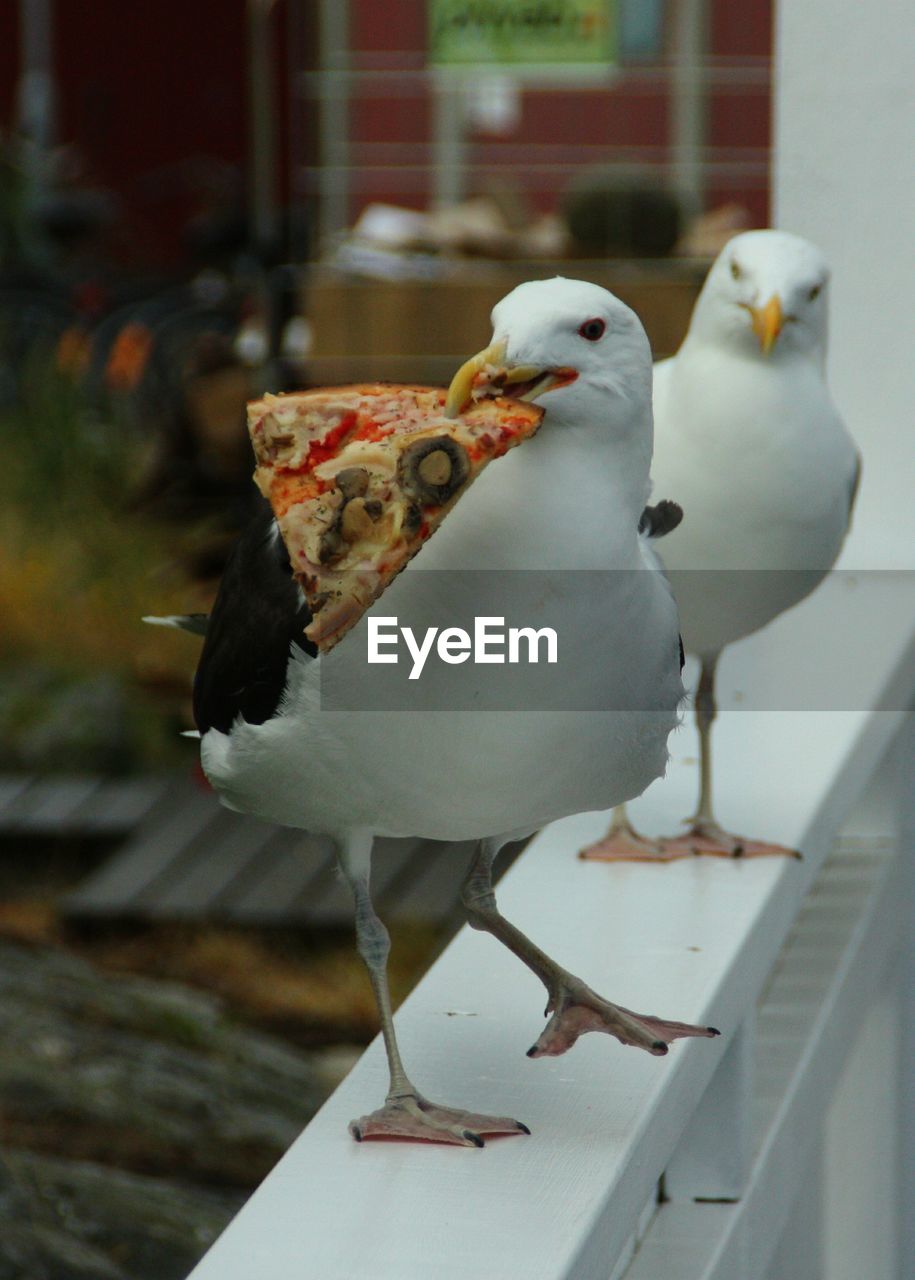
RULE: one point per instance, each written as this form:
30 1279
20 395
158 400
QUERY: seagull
571 498
749 441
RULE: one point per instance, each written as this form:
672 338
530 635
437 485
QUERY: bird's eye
593 330
735 269
815 292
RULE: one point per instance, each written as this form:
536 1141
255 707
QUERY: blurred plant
64 451
77 572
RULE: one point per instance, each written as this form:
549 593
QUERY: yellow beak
460 392
768 322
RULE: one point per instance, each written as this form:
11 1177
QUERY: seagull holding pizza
569 498
748 439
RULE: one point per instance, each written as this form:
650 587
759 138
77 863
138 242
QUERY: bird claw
583 1010
711 840
623 847
413 1117
622 843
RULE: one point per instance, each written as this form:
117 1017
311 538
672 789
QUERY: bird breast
761 465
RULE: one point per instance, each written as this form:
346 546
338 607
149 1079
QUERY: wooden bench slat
145 857
210 865
76 804
165 888
47 803
11 787
120 804
192 857
430 886
335 904
291 867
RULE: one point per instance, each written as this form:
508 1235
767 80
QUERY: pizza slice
359 477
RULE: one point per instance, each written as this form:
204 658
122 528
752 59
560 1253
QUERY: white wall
860 1156
844 176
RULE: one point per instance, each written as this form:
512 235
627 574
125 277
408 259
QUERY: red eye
593 329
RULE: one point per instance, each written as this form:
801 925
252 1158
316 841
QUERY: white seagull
570 499
749 442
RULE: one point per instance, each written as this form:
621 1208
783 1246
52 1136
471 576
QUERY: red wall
632 115
150 95
153 98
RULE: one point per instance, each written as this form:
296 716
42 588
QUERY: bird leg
575 1008
406 1113
623 843
704 835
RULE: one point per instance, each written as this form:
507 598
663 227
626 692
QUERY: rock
146 1075
70 1220
34 1252
107 1080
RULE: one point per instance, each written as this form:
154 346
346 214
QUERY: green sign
521 32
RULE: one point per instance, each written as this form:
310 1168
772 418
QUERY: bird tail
196 623
660 519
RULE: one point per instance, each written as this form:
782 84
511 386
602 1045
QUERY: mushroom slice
353 482
358 519
433 469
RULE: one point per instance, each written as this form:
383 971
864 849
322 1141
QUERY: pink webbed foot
412 1116
622 843
579 1009
707 838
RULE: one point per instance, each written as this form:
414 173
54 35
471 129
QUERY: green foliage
61 457
78 571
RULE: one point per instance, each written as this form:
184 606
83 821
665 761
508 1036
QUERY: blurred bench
191 858
75 805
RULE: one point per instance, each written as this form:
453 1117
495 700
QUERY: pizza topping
412 519
329 446
330 545
353 482
368 454
433 469
358 519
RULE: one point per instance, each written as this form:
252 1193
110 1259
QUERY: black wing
854 486
655 522
259 612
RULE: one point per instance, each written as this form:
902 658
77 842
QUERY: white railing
787 973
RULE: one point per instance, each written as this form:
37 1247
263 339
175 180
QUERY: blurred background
199 203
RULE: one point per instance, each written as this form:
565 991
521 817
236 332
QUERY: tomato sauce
371 430
321 450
